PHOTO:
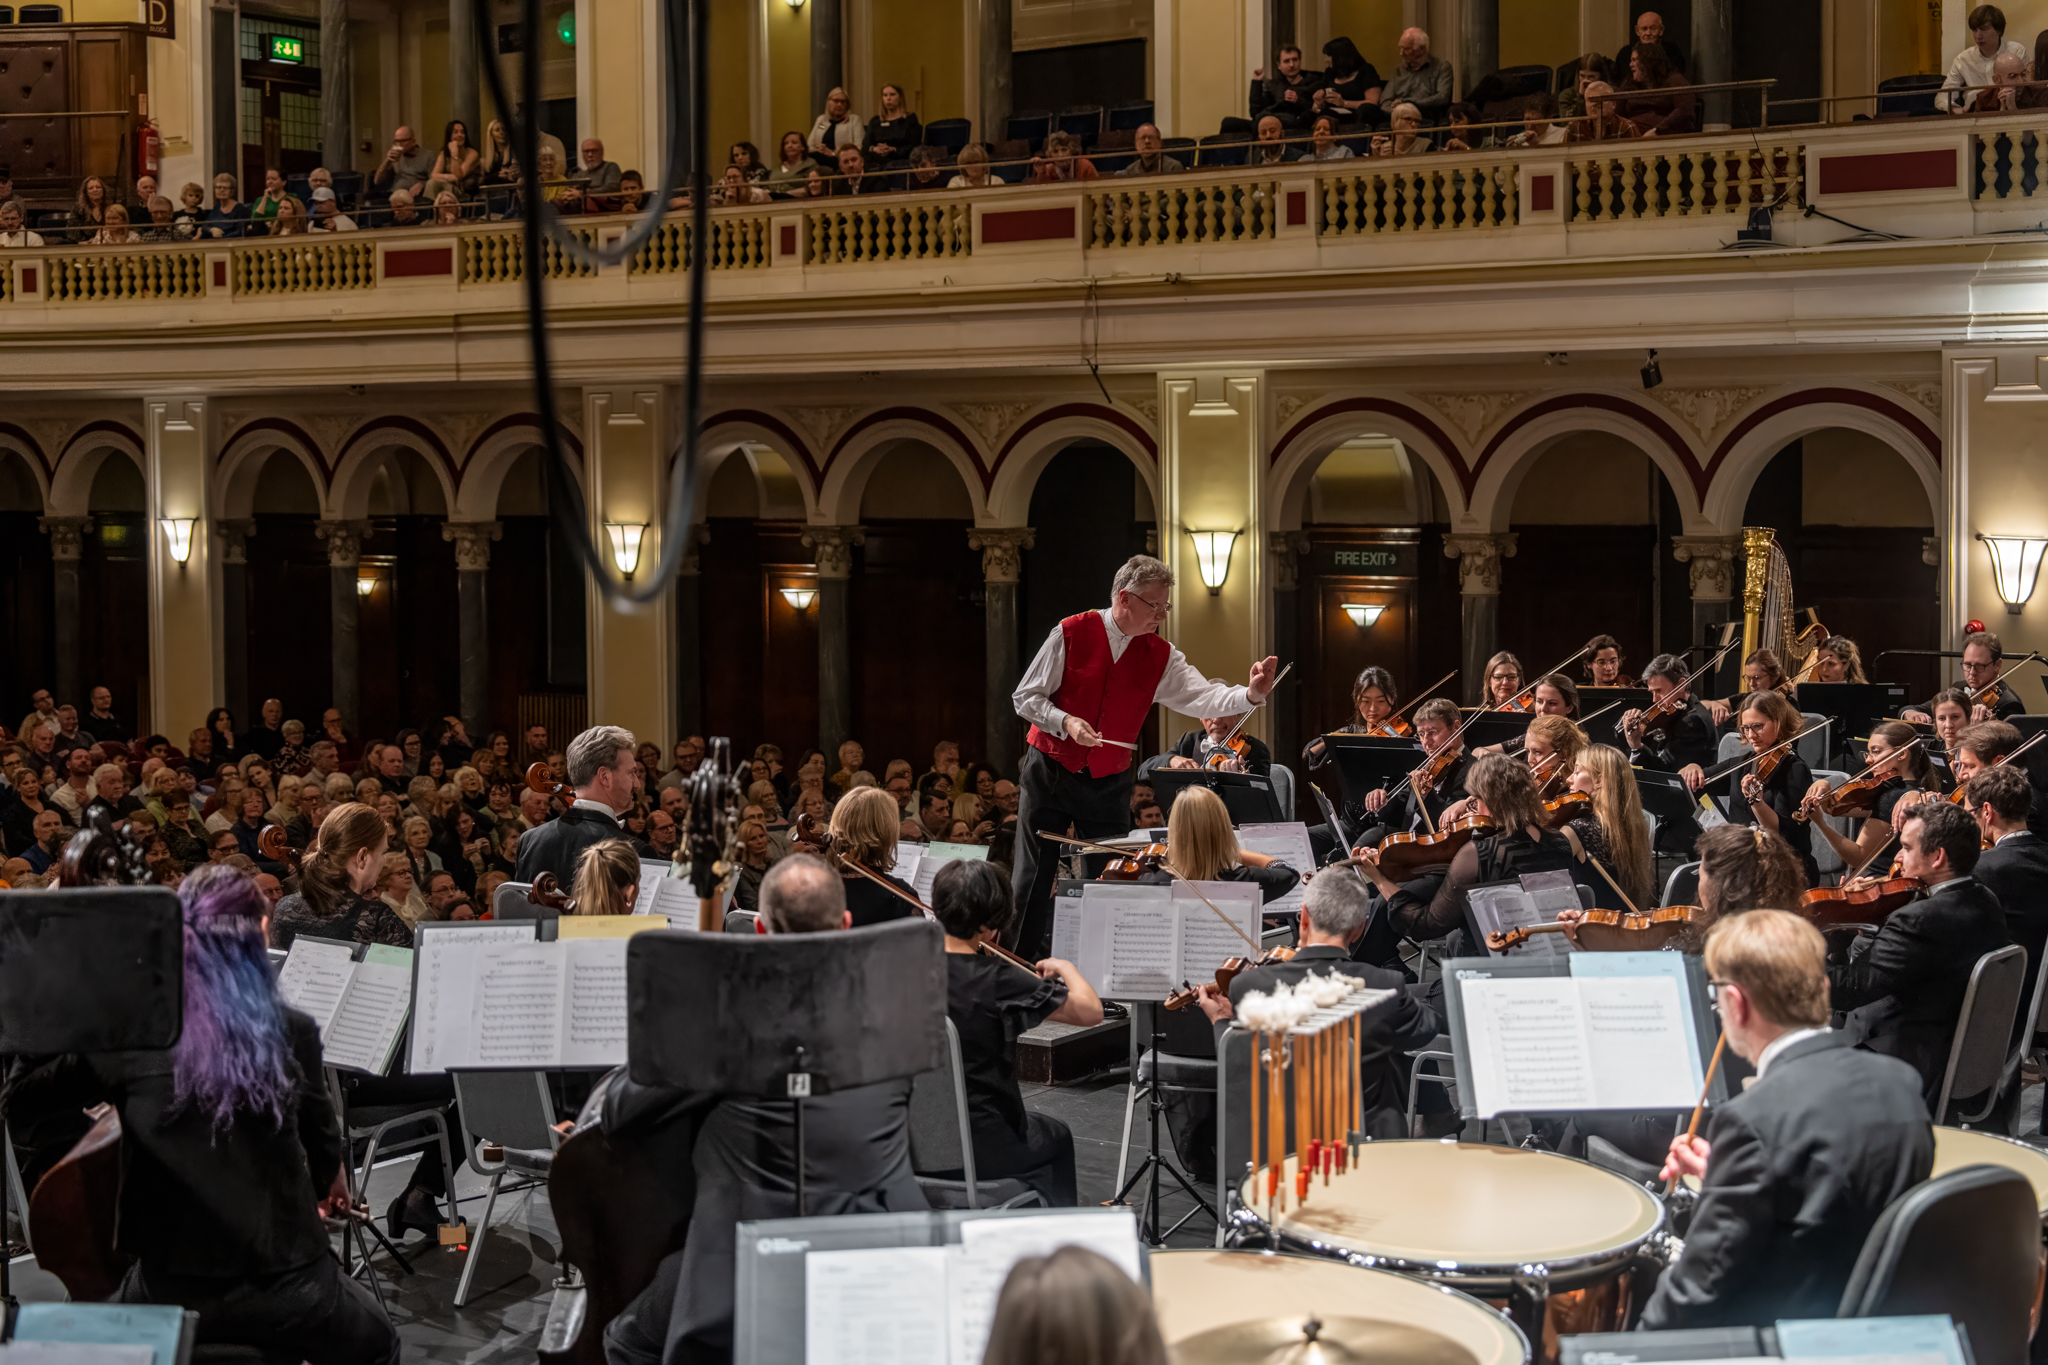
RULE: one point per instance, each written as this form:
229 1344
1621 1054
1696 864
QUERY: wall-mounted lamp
1212 557
178 531
1363 616
2015 567
365 585
626 545
800 598
795 4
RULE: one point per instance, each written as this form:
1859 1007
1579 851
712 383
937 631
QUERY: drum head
1254 1305
1478 1207
1958 1147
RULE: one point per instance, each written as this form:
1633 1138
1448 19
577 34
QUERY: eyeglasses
1157 608
1755 729
1714 991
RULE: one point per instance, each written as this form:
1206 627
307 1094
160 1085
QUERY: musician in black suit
605 775
1797 1168
1676 742
1906 992
1983 659
1192 749
2015 867
1333 919
1398 810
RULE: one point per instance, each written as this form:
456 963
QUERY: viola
1869 904
1425 778
1565 809
1521 701
1549 774
1616 931
1856 797
1231 969
1393 727
1402 856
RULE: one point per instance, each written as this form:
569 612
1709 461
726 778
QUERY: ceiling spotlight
1653 373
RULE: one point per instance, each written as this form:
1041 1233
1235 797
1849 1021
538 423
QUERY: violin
1565 809
1872 904
539 779
1425 778
1231 969
1230 756
1616 931
1549 774
1961 795
272 844
1135 863
1402 856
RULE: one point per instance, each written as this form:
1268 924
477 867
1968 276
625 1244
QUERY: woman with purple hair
231 1148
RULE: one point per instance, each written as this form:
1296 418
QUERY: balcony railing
1351 214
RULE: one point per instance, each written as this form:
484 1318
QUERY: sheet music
314 977
935 857
1206 942
1500 908
1636 1038
652 875
1528 1045
517 1020
1066 928
1143 957
445 990
989 1247
594 1023
904 869
74 1353
1287 841
372 1011
876 1306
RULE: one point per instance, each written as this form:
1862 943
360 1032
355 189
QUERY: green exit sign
283 49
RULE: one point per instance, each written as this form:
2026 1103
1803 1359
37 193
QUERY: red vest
1113 695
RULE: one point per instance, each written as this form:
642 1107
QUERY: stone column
344 553
833 547
337 87
1712 561
631 654
1479 558
234 614
690 635
224 107
67 545
184 615
1002 559
462 72
1287 547
1713 47
995 22
1478 43
828 64
472 564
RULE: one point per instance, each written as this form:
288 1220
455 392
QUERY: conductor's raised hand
1082 733
1263 673
1688 1156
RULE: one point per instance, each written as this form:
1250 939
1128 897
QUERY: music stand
1366 763
1612 703
1856 707
87 969
1248 797
785 1016
2035 760
1496 727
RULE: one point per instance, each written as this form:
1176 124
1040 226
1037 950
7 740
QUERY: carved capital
1479 560
1930 551
234 538
344 542
833 548
1712 561
1288 546
67 535
472 542
689 566
1002 551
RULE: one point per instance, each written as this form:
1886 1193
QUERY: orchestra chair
741 922
1731 745
17 1197
1977 1058
373 1122
2029 1046
941 1139
1283 792
1967 1244
1682 887
509 903
1445 1075
1813 744
1826 860
507 1128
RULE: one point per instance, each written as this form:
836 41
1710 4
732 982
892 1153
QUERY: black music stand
1856 707
786 1016
87 969
1366 763
1611 704
1248 797
1487 728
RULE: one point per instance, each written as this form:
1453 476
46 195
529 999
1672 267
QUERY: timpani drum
1544 1233
1247 1307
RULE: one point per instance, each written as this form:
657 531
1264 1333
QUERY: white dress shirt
1181 687
1972 67
585 803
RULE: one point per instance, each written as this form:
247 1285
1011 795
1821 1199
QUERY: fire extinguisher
148 147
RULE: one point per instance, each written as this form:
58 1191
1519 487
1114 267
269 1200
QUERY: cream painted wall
914 480
917 45
1909 38
1375 25
176 79
1539 32
1589 479
1852 479
1360 484
789 75
1203 52
1997 473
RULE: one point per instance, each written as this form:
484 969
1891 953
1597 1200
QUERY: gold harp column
1756 581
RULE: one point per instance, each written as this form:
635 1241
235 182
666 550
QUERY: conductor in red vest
1087 695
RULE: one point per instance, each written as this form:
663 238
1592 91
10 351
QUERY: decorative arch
1045 433
1770 427
13 438
1527 434
73 470
348 496
490 458
725 433
240 463
860 449
1301 450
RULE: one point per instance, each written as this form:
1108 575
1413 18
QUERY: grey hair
597 748
800 895
1336 903
1139 571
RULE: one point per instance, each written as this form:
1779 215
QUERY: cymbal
1320 1341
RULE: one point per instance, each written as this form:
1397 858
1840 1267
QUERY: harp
1769 620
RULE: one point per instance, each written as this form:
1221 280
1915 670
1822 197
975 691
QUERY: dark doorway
1058 78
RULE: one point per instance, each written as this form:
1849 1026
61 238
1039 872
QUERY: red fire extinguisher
148 147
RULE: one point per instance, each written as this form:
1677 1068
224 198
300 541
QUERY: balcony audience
1150 160
145 190
786 181
566 197
497 165
599 176
191 209
1351 85
290 220
1651 114
1571 101
263 208
1420 78
327 214
2008 85
735 188
228 217
12 233
837 127
89 211
1972 66
115 230
1539 124
1289 94
632 196
1271 147
447 209
893 132
457 166
7 194
747 157
1062 161
1323 144
1649 31
924 173
972 165
1602 121
162 225
1407 138
404 213
853 178
406 164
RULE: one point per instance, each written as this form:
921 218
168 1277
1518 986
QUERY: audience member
457 165
1592 67
1289 94
1150 160
972 164
924 173
566 197
1422 80
228 218
190 212
447 209
838 126
406 164
1602 121
788 176
747 157
632 197
162 227
893 132
1323 144
404 213
89 212
1407 138
599 176
735 188
1972 67
1538 126
1652 115
327 214
290 220
1062 161
1269 149
499 166
1351 87
145 190
12 233
101 719
1649 32
263 208
852 178
2008 83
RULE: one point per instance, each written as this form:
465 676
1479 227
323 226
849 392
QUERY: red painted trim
30 444
28 280
780 428
1121 420
1386 407
1855 398
1603 402
520 419
415 261
413 426
788 238
289 428
220 274
1542 193
1027 225
923 417
1297 208
106 424
1876 172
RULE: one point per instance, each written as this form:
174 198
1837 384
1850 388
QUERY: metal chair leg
476 1242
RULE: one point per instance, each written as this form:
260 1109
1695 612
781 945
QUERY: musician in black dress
1761 672
1614 831
1951 709
1374 698
865 826
1897 766
1771 801
1202 846
230 1149
1674 742
991 1001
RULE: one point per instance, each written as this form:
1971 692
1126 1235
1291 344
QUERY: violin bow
1692 1129
1867 771
1419 696
1531 687
841 860
1992 686
1598 867
1720 770
1224 743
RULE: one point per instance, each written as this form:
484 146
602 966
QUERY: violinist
1951 708
2014 863
1556 699
1772 796
1438 783
1196 748
1555 695
1614 831
1896 770
1550 747
1603 663
991 1002
1681 738
865 826
1748 869
1990 699
1977 749
607 879
1202 846
1373 699
1761 672
1504 684
1503 791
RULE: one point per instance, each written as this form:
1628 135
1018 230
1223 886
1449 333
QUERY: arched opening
1593 518
1090 511
534 608
1853 519
290 655
27 622
113 589
754 519
407 630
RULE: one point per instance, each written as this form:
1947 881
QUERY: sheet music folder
1514 1041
